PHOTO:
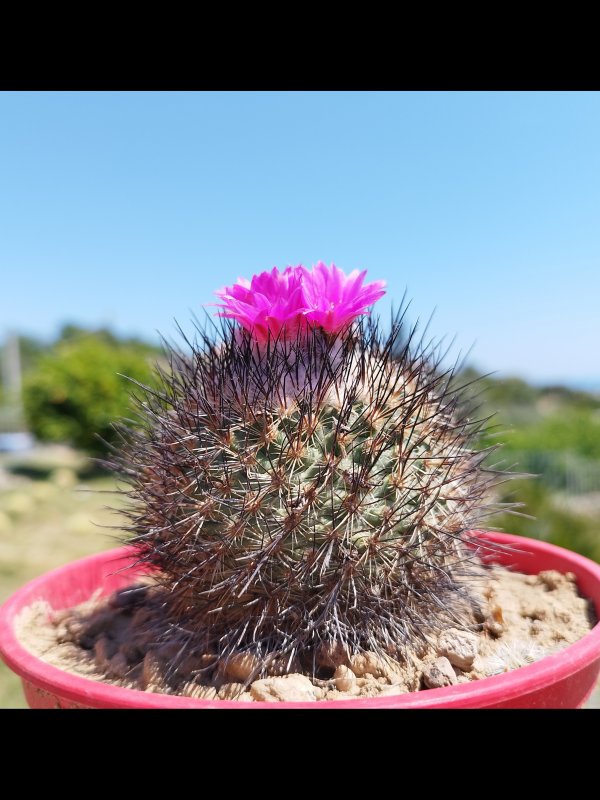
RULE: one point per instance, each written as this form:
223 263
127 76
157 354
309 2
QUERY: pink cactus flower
334 299
272 303
284 303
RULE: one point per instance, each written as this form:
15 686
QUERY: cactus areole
304 480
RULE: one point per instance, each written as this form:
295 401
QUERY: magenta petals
335 299
272 303
286 303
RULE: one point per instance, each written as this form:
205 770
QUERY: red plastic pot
562 680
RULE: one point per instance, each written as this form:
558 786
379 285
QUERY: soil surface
526 617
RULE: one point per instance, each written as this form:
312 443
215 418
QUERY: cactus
304 483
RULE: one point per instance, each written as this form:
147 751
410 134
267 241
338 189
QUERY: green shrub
575 431
75 392
547 519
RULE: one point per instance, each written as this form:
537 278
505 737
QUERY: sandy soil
525 619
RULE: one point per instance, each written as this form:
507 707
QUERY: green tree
76 390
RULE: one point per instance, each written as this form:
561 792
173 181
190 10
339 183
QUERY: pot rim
550 669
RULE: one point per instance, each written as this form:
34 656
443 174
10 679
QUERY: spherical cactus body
305 484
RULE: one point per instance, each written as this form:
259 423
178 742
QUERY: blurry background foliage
74 390
553 434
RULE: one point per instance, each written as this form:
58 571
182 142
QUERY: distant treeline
548 419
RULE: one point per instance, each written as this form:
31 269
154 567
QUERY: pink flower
334 299
272 302
282 304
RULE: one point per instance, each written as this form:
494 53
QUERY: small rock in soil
293 688
551 579
345 679
533 612
438 674
395 688
367 663
459 647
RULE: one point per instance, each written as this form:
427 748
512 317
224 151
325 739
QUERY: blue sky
129 209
